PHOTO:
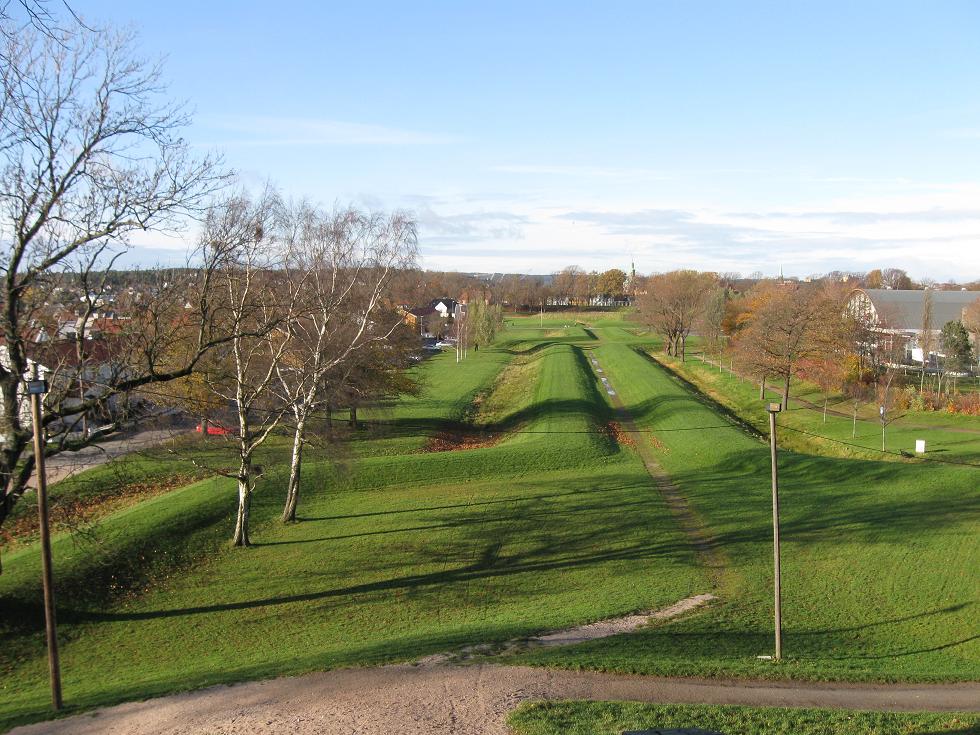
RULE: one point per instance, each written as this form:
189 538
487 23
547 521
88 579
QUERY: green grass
612 718
879 558
949 437
400 556
401 553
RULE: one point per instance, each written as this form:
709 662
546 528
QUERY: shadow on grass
490 564
695 393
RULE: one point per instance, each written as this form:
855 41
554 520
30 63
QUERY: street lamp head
774 407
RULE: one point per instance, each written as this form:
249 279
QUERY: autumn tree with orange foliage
785 325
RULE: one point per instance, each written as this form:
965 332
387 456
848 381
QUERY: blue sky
530 136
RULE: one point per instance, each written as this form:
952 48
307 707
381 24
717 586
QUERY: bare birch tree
347 261
258 298
788 325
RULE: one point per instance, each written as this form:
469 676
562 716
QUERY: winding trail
459 700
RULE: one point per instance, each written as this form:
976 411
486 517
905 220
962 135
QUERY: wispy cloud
473 226
260 130
601 172
934 216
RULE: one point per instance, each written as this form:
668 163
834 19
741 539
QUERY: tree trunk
762 388
825 408
683 347
353 417
204 427
244 503
295 470
786 392
854 421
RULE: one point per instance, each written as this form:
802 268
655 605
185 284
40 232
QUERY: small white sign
920 446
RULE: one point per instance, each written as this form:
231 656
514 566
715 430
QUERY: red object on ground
213 430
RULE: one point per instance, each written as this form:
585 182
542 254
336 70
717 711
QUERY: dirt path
576 634
457 700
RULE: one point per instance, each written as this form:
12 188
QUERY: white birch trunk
295 470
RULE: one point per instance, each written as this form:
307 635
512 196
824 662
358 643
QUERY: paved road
66 464
458 700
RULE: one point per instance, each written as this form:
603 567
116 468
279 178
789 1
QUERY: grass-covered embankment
951 438
879 558
397 556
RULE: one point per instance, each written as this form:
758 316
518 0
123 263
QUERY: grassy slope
879 558
612 718
410 554
403 553
948 437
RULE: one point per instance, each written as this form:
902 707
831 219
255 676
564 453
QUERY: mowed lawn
400 552
950 438
613 718
880 558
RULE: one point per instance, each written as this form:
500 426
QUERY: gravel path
457 700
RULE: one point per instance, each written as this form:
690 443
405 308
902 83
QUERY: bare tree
895 278
258 298
673 303
90 152
711 320
347 262
925 336
570 283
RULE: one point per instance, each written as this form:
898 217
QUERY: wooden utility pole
36 389
773 409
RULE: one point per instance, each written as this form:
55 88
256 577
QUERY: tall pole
773 409
36 389
881 413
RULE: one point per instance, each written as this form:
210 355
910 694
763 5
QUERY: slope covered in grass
879 558
949 437
399 556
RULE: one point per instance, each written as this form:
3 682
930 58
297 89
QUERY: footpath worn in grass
398 557
879 558
613 718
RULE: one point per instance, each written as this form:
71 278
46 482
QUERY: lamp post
36 389
773 409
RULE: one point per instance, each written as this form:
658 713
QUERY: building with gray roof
901 312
